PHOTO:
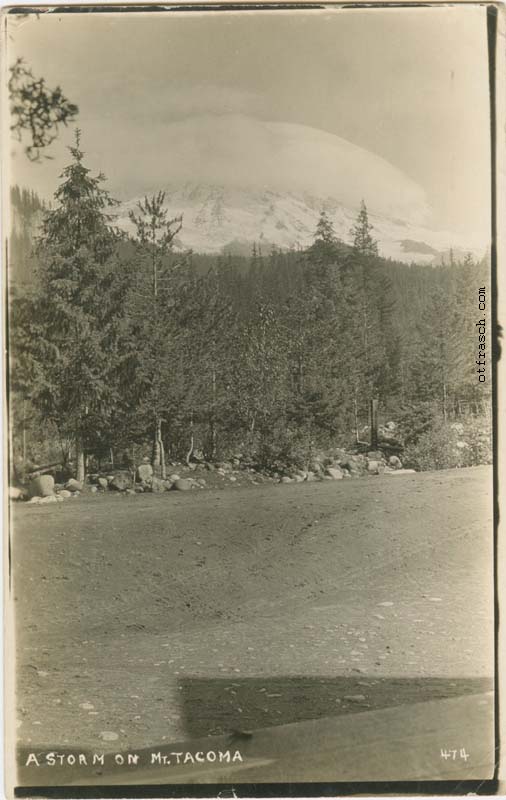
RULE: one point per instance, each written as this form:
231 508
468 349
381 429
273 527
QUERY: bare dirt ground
151 619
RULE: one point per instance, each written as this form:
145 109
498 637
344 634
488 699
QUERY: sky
268 98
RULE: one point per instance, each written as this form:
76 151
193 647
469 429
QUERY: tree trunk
190 451
24 432
80 461
158 454
213 412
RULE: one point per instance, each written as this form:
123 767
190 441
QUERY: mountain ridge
219 218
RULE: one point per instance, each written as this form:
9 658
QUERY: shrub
449 445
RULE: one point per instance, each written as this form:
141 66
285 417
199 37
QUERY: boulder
373 467
73 486
120 482
174 478
144 473
402 472
130 491
102 483
158 485
50 498
340 454
224 465
286 479
15 493
375 455
182 484
64 493
395 462
43 486
335 473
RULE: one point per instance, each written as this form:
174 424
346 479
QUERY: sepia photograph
249 305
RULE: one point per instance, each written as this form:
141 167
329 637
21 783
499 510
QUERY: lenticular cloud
236 150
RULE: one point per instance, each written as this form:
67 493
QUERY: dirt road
150 619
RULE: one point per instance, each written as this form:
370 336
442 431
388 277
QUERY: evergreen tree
152 301
325 230
361 232
77 349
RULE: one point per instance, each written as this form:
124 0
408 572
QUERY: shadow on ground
215 706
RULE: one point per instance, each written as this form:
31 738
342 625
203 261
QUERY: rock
109 478
15 493
335 473
74 486
354 698
109 736
395 462
373 467
50 498
286 479
298 478
93 489
139 489
144 473
120 482
43 486
158 485
201 482
174 477
354 464
65 493
182 484
35 500
232 479
375 455
316 466
225 465
102 483
340 454
403 472
130 491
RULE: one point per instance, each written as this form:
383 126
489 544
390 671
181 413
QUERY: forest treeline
121 344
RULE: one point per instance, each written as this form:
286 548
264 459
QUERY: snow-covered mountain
233 218
239 179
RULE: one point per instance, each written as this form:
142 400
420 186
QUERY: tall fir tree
363 241
75 309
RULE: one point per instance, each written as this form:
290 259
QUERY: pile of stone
339 464
334 465
43 490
